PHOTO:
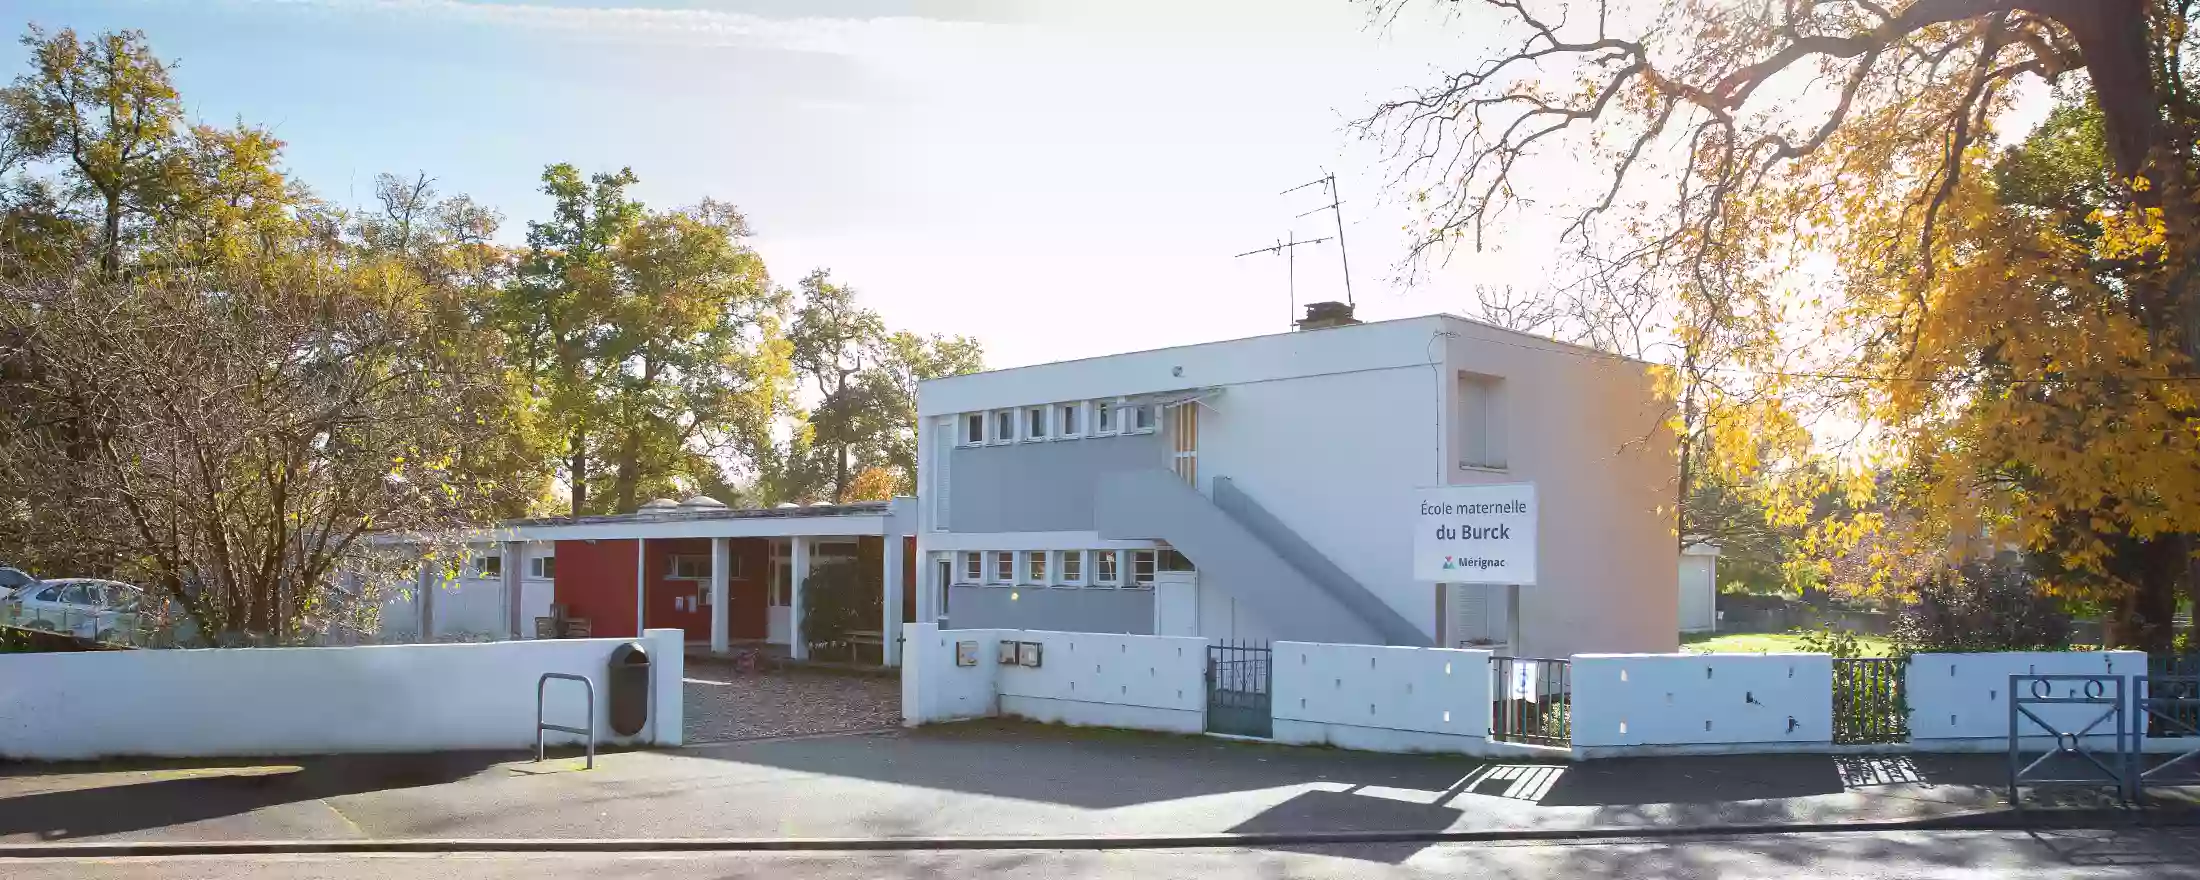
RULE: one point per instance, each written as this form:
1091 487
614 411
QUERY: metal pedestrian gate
2080 712
1239 696
1870 701
1532 701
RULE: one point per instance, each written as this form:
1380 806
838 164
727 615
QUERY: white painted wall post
890 602
641 568
797 646
515 567
721 564
668 704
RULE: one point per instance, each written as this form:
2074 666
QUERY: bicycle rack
2171 702
588 732
2106 691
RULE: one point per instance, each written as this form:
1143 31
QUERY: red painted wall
750 591
660 606
595 579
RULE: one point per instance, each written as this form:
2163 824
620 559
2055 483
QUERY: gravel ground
723 705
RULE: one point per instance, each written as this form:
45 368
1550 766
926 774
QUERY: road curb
1987 821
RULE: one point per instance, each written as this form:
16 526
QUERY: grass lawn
1767 643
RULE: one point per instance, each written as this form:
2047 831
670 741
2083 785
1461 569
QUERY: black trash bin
629 677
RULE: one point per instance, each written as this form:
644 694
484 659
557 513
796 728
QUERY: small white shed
1699 606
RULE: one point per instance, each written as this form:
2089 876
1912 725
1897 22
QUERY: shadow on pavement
1322 811
53 808
1082 767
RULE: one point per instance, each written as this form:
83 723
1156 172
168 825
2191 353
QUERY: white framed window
1106 570
486 565
690 567
1036 423
973 567
1073 568
1138 418
1103 417
1004 567
1143 565
542 568
1035 566
1072 421
973 429
1004 426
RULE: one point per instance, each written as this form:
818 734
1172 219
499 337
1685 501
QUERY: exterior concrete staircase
1244 550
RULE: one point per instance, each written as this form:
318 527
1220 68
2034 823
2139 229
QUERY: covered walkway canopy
733 573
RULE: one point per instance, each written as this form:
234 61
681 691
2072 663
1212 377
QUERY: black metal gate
1531 700
1870 702
2076 756
1238 692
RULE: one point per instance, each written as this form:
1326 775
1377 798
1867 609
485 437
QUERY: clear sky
1059 178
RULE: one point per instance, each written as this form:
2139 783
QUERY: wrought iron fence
1870 702
1531 700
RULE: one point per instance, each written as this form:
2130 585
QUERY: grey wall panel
1040 487
1081 610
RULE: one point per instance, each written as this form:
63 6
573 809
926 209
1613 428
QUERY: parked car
13 579
87 608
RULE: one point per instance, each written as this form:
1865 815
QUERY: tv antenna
1289 251
1328 182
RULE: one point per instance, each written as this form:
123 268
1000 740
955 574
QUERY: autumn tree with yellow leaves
1860 268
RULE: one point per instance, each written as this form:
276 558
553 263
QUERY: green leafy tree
104 108
836 342
652 339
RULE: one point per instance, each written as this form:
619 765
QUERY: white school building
1265 488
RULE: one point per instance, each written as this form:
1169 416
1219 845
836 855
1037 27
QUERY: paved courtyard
723 705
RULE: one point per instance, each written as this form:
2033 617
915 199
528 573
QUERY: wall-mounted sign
1027 654
966 653
1475 534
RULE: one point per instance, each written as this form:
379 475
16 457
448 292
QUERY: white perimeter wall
1398 699
1590 433
933 688
1966 696
1102 680
1093 679
1684 699
1389 699
294 701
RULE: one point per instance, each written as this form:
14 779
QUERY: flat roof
693 514
1532 341
811 520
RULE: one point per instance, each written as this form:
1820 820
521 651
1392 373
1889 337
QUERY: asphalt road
2169 854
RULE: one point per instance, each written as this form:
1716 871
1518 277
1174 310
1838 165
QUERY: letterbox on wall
1027 654
1007 654
966 653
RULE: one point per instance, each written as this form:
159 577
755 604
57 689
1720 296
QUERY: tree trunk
579 470
626 472
2112 34
2143 619
110 237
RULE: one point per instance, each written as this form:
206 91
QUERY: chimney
1323 315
